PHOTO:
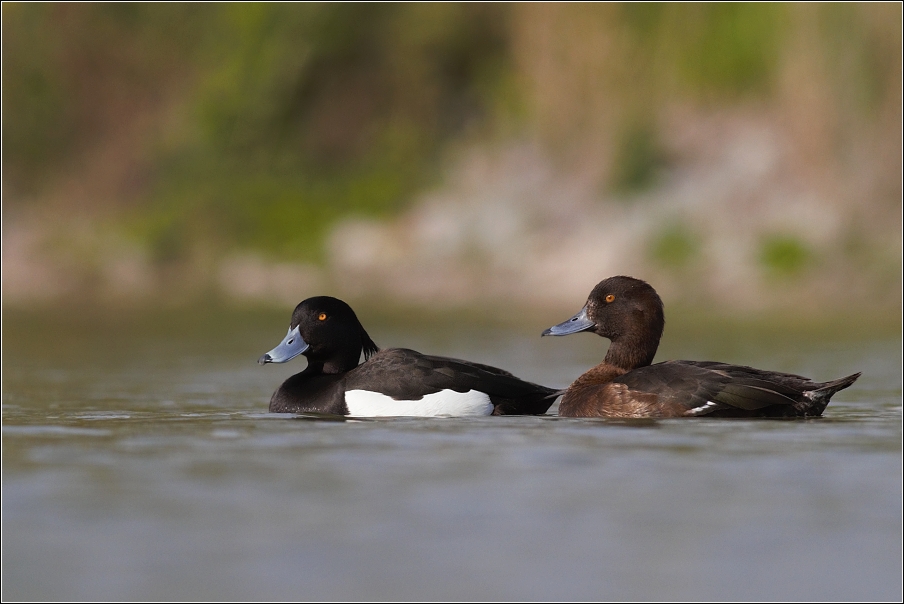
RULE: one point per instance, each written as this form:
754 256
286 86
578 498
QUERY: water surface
139 462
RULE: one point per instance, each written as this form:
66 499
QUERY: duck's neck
629 353
335 363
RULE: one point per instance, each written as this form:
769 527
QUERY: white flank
364 403
702 408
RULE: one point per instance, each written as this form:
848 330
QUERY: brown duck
629 312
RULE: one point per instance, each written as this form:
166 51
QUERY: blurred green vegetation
715 48
675 247
784 255
287 116
639 158
258 126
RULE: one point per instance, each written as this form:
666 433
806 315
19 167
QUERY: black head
326 331
626 310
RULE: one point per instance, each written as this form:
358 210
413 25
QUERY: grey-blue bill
579 322
291 346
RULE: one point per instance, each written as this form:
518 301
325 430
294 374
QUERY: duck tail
823 392
827 389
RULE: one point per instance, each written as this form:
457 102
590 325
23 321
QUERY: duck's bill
579 322
291 346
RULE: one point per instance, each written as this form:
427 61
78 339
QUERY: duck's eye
610 298
322 317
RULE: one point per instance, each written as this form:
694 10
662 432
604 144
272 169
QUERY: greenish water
139 463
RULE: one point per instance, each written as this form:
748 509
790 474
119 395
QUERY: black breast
318 393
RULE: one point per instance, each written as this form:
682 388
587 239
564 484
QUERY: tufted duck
629 312
391 382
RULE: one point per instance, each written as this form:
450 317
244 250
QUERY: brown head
627 311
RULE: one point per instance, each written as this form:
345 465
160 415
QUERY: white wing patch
364 403
708 407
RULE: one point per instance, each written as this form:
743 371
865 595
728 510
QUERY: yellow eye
610 298
322 317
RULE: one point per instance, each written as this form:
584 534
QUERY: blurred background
739 157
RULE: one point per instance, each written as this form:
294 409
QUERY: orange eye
322 317
610 298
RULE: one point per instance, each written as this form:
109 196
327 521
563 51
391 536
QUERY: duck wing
402 373
697 388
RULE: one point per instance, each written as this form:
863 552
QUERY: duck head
327 332
625 310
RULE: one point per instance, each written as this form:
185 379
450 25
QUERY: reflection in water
149 468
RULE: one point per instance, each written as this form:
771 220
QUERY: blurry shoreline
725 228
739 157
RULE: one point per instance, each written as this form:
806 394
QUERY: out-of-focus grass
675 247
258 126
317 112
639 159
291 116
784 255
